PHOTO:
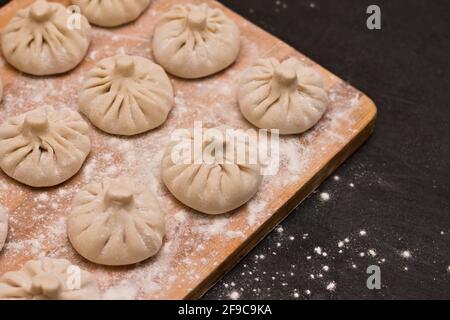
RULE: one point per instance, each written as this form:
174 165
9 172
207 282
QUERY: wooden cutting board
198 249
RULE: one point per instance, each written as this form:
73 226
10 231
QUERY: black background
400 193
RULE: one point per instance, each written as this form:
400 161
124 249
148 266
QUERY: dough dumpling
44 147
217 179
49 279
111 13
3 227
40 39
116 223
126 95
288 96
193 41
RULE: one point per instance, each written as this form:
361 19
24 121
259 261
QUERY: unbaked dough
40 39
111 13
195 41
126 95
49 279
117 222
288 96
44 147
217 179
3 227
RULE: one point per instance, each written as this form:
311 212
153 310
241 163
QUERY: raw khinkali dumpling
288 96
116 223
41 39
193 41
219 178
44 147
49 279
126 95
111 13
3 227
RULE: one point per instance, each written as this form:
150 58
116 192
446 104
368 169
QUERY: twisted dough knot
40 11
47 285
36 122
119 196
197 19
125 66
285 76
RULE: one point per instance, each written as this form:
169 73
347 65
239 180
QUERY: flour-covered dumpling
288 96
3 227
44 147
42 39
217 178
126 95
111 13
193 41
116 223
49 279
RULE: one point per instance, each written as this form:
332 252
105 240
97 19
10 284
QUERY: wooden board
198 249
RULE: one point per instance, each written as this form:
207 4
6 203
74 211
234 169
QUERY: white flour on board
194 243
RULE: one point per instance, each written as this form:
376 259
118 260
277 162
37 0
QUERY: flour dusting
195 244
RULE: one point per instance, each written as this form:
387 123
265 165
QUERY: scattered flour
256 206
180 216
234 295
187 233
43 197
325 196
126 290
406 254
372 252
331 286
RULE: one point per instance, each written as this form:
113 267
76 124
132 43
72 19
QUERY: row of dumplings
118 221
129 95
115 223
189 41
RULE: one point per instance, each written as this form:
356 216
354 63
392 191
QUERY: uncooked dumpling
111 13
216 179
41 40
117 222
288 96
49 279
3 227
195 41
44 147
126 95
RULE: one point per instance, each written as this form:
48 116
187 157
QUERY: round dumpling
111 13
49 279
219 177
3 227
126 95
40 40
288 96
116 223
44 147
193 41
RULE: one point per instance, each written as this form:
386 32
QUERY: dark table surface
390 202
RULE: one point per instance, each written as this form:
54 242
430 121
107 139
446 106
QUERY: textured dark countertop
389 203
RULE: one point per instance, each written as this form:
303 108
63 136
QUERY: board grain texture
198 249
